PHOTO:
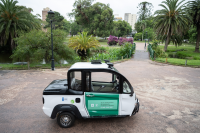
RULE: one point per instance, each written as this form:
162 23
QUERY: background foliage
36 46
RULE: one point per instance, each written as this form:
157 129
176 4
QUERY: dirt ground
169 100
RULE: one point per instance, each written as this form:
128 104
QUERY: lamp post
145 39
51 15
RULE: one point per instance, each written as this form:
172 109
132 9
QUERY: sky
65 6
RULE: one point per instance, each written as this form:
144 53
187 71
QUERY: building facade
131 19
44 16
45 13
116 18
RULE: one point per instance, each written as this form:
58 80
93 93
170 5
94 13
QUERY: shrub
98 49
82 44
159 53
35 46
138 36
155 44
122 40
130 40
115 53
125 49
112 40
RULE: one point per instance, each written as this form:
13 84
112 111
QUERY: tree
143 26
66 26
36 46
122 28
96 19
137 27
192 32
13 20
82 43
74 28
171 22
150 33
194 13
145 9
58 21
138 36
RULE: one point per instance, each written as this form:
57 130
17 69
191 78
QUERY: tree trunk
46 58
142 36
198 39
167 41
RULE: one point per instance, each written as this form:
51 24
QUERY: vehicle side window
104 82
76 81
126 87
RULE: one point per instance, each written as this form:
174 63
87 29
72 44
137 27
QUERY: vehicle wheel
65 120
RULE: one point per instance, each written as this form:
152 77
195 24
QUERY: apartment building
131 19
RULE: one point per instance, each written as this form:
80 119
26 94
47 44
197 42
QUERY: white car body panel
127 104
50 101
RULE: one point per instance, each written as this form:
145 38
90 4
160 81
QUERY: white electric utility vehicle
91 90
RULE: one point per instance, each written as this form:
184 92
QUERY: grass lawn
181 53
103 43
176 61
187 51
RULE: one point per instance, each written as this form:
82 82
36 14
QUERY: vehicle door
75 94
127 98
102 94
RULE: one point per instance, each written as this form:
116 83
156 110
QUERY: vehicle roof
88 65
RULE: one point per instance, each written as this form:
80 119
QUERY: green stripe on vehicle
102 104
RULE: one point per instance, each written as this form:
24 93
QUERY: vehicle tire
65 120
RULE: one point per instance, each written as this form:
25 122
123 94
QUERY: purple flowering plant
112 40
130 40
122 40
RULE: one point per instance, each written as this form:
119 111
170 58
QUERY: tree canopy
96 19
122 28
171 22
145 9
36 46
58 22
13 20
194 13
74 28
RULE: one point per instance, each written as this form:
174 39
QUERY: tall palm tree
171 21
194 13
13 19
143 26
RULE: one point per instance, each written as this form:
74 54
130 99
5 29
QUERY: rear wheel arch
61 108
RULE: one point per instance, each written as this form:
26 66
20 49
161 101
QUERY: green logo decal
72 101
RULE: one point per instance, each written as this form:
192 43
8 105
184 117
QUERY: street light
145 39
51 15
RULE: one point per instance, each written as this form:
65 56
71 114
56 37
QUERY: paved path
141 54
169 98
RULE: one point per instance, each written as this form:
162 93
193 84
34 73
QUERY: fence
151 51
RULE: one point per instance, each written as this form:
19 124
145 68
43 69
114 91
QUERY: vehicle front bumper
136 109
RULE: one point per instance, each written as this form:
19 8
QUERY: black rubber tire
68 116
